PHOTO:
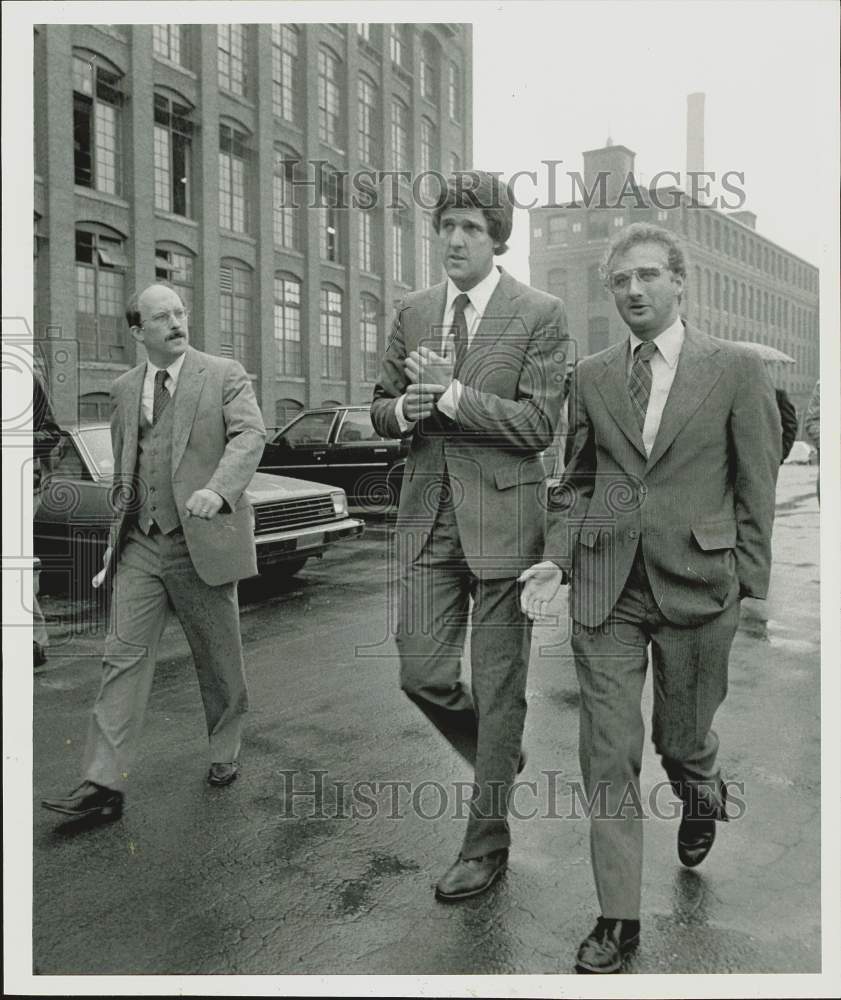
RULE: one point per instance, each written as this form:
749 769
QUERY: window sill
242 237
244 101
164 61
172 217
299 379
289 252
94 195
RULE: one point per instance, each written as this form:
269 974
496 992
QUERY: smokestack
694 138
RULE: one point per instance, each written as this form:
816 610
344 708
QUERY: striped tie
458 331
639 384
161 397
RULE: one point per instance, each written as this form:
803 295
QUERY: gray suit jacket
218 437
513 379
701 506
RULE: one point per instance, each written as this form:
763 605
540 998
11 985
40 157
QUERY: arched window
287 325
399 135
95 406
285 410
329 97
285 72
369 324
173 42
429 160
368 94
400 46
101 266
97 123
286 211
237 338
429 68
598 334
332 361
174 263
173 154
331 200
401 244
234 162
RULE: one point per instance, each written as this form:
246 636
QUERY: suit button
633 533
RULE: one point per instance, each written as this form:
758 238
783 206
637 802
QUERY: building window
401 242
331 333
556 281
284 71
287 325
364 31
717 290
329 98
230 58
717 234
598 334
285 212
399 46
236 335
175 265
370 332
233 180
726 302
399 135
173 156
331 200
286 410
596 292
366 240
171 41
618 221
576 227
708 239
427 241
97 125
429 159
558 225
454 92
100 296
597 227
429 69
367 92
727 239
95 406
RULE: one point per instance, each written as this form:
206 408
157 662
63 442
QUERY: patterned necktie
458 331
639 384
161 397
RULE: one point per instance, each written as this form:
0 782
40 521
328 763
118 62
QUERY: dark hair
133 304
487 192
644 232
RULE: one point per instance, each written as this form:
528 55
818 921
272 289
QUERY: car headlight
339 502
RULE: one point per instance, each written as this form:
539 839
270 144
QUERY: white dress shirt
479 296
170 382
663 367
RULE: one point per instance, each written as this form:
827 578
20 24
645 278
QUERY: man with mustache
187 435
473 376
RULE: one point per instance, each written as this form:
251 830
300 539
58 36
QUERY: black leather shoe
694 840
607 945
88 800
470 876
222 774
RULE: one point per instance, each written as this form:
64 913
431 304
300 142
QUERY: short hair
482 190
133 304
644 232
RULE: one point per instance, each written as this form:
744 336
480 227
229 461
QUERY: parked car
339 446
294 519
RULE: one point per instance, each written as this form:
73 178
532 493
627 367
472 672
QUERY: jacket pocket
712 535
515 475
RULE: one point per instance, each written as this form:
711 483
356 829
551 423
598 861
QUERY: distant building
741 286
181 151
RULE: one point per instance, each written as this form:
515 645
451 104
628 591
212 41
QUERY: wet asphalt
317 860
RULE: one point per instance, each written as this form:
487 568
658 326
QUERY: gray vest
154 470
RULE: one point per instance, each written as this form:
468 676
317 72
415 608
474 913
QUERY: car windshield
97 443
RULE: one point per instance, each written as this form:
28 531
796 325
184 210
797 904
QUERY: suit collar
186 401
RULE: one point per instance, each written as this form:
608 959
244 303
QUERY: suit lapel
613 388
428 327
698 370
131 418
187 393
502 310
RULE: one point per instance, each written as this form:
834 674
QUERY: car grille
286 515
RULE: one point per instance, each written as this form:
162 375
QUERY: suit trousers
485 723
690 682
155 573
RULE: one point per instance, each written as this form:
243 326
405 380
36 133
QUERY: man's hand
205 504
420 400
428 368
540 585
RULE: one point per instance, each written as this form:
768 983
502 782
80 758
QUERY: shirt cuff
402 422
449 399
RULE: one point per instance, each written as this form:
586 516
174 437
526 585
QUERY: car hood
266 486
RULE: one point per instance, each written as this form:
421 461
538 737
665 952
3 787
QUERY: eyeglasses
619 281
179 315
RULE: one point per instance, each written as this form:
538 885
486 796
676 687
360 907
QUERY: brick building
221 158
741 285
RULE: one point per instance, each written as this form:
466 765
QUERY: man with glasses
187 436
662 523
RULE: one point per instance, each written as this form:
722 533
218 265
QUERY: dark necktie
161 397
459 331
639 384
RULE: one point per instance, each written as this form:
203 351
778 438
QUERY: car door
360 458
300 448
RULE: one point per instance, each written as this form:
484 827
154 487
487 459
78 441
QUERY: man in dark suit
663 524
788 418
473 375
187 436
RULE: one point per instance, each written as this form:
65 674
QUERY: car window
70 465
357 426
97 441
312 428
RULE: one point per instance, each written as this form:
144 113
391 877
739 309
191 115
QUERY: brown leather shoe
222 774
607 944
470 876
88 801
